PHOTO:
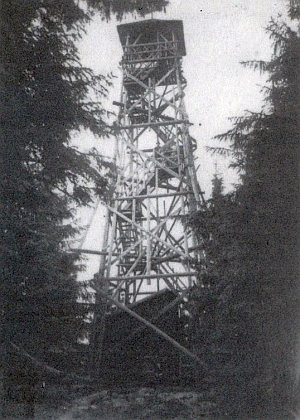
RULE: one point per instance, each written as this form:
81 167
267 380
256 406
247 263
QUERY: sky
219 34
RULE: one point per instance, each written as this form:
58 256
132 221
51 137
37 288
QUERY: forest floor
123 404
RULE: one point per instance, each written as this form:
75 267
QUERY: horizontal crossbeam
152 276
150 124
138 197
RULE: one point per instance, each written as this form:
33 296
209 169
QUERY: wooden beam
156 94
171 340
153 276
90 251
177 251
35 361
43 367
157 163
142 60
151 124
128 250
138 197
165 309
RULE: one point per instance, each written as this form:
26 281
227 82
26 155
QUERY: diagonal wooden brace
153 327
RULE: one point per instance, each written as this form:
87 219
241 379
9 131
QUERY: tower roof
147 31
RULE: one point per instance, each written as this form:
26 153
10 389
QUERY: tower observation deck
147 246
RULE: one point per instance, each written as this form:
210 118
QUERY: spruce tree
256 322
46 98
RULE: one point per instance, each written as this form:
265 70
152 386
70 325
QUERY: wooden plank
149 233
90 251
36 362
156 316
128 250
151 124
161 333
157 163
153 276
142 60
149 255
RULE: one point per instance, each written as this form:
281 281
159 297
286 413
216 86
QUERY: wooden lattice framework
147 246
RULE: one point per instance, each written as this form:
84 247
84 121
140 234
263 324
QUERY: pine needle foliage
45 96
252 255
120 8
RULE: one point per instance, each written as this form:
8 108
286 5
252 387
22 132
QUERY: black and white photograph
149 209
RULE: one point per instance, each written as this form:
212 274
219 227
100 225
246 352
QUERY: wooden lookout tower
147 246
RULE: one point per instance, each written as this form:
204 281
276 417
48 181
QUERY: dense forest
249 330
246 315
46 98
